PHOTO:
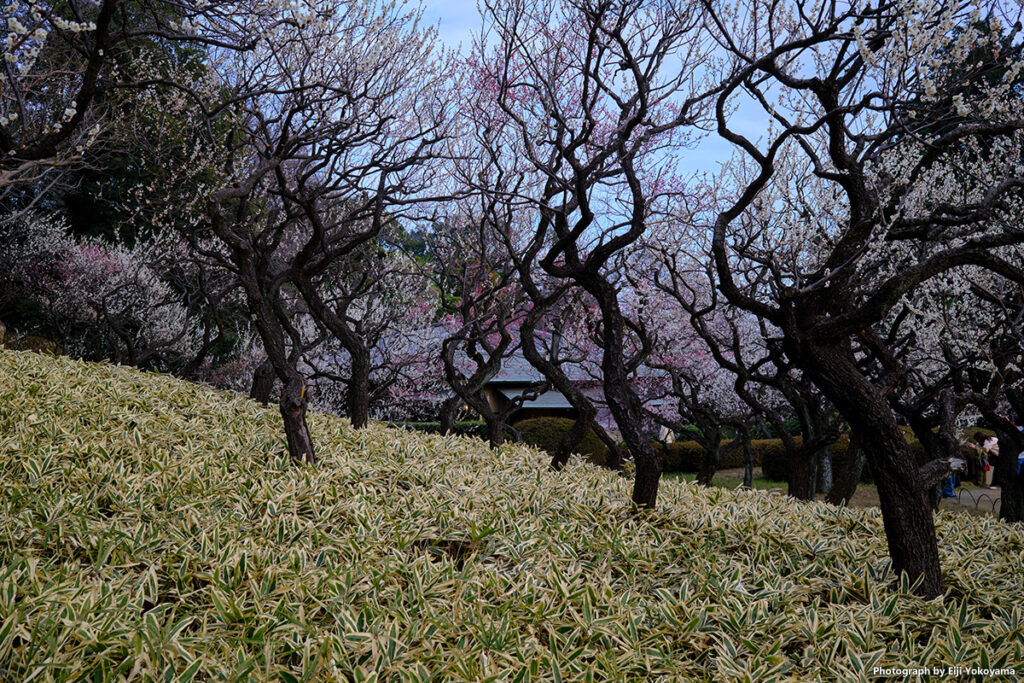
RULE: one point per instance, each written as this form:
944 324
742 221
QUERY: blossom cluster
102 301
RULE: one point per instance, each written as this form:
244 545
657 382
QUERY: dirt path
972 498
983 499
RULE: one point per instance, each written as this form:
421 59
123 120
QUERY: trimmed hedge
16 342
688 456
546 433
775 464
681 456
769 454
469 428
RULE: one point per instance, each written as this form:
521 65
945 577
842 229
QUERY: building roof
549 400
515 369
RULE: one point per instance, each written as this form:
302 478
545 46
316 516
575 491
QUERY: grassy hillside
153 529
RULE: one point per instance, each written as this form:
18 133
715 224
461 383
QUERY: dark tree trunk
1011 495
845 484
712 460
1011 498
488 359
648 475
810 465
649 463
1011 444
351 339
264 308
615 455
447 416
906 512
709 437
802 465
359 387
801 474
748 458
262 382
941 447
293 412
585 411
495 429
572 438
798 474
825 479
1011 507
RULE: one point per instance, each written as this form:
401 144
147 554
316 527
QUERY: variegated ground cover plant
153 529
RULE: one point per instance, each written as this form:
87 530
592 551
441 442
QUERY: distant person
989 451
979 457
1020 456
949 486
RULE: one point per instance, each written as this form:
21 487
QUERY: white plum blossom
106 301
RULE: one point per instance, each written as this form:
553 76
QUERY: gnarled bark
358 386
906 510
262 382
845 483
293 412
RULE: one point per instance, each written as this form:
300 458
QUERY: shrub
546 433
736 458
476 428
29 342
687 433
688 456
840 451
682 456
791 424
99 300
774 462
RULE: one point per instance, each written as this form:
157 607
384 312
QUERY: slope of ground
154 529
